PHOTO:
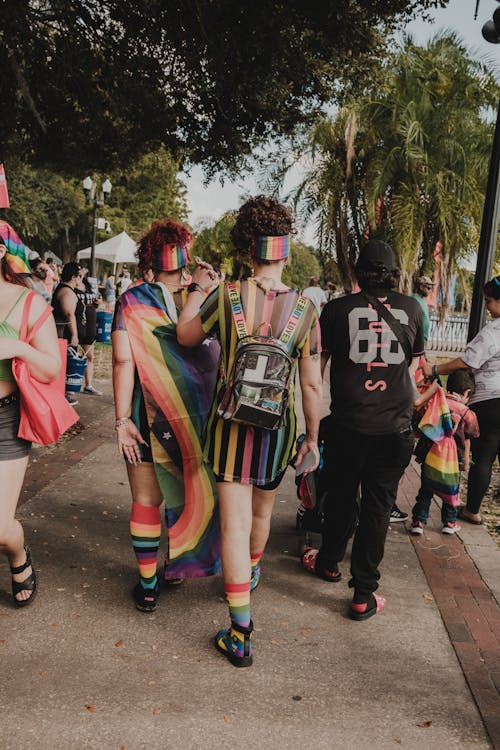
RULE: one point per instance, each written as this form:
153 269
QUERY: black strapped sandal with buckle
29 583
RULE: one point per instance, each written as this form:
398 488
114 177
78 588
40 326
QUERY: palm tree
330 192
427 148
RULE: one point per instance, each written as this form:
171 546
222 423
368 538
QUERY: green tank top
9 332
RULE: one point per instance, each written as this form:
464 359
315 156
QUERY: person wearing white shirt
316 294
482 355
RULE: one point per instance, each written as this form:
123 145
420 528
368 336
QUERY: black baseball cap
376 255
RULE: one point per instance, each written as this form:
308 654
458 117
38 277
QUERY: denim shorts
11 447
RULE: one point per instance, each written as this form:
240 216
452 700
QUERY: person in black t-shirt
368 436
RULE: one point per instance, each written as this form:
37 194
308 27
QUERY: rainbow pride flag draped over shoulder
440 472
178 386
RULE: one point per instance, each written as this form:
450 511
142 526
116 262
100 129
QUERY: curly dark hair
492 288
460 381
260 217
162 232
379 278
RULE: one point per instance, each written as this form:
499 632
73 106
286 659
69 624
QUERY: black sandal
29 583
145 599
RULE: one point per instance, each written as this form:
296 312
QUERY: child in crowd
460 387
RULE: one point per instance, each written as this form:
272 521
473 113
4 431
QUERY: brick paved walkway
469 611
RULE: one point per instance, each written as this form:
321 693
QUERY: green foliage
303 264
89 84
408 161
46 210
50 214
213 244
149 189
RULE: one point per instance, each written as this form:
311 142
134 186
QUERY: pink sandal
308 561
361 612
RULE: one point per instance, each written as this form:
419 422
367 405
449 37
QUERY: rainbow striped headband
17 254
170 257
272 248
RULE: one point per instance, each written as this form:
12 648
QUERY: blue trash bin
104 322
75 368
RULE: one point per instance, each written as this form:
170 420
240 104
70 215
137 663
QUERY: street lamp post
488 237
98 200
489 225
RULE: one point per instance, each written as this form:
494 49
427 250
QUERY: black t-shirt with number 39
370 384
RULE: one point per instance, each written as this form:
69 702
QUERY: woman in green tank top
43 359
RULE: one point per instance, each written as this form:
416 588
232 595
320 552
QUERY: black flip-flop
379 606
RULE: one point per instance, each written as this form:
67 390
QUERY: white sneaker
417 528
90 389
451 528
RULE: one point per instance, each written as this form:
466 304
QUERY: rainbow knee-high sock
238 600
145 530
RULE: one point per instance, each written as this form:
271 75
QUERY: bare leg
11 532
89 370
235 505
144 485
262 509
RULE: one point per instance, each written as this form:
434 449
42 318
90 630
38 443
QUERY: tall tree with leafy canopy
331 191
427 147
91 83
50 214
407 162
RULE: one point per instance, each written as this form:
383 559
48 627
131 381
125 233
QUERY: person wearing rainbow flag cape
163 394
249 461
20 308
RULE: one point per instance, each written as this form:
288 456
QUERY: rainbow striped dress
238 452
176 390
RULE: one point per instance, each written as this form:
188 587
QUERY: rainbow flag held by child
440 470
178 386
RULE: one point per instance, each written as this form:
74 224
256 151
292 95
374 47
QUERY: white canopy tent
118 249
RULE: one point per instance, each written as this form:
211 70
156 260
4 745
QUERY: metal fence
450 336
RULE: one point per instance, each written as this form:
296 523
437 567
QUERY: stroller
312 493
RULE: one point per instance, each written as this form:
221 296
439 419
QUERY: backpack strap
294 319
237 310
393 324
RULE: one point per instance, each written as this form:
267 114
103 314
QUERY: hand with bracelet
204 279
129 437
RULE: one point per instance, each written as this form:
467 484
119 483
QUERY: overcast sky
209 203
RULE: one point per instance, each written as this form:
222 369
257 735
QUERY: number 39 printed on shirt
372 341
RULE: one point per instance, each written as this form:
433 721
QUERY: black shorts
11 447
272 485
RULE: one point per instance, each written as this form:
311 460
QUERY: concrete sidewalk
82 668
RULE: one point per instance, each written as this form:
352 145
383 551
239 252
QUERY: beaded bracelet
120 422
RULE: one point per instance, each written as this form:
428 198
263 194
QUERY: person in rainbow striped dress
249 462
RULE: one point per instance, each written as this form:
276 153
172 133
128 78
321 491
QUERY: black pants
376 463
485 449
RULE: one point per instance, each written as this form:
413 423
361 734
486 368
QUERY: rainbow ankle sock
145 530
238 600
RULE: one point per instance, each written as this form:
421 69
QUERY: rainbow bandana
272 248
17 256
170 258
